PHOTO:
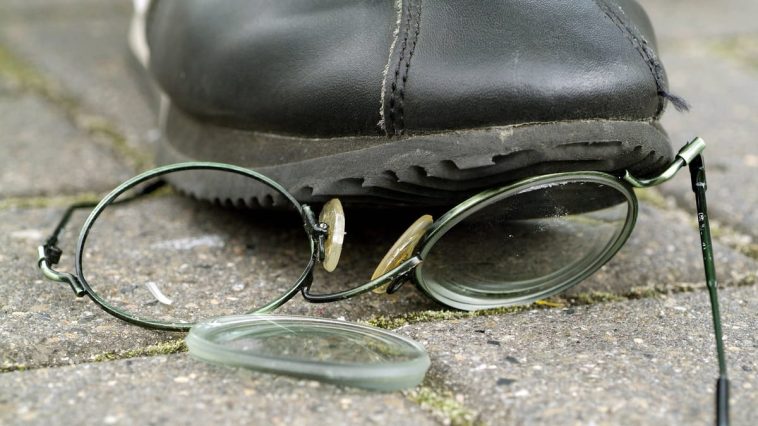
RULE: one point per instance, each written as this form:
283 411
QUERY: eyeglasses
510 245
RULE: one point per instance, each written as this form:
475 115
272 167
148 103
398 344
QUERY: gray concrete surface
648 361
73 122
177 389
38 160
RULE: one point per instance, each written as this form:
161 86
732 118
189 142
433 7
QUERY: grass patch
165 348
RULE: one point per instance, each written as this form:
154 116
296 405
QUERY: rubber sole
438 169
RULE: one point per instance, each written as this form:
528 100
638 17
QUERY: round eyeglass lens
527 242
170 258
329 350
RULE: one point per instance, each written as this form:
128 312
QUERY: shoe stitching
396 103
391 128
648 55
395 37
416 31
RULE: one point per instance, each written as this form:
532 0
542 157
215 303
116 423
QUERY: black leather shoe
406 102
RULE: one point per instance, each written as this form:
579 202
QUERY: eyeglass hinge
316 230
52 254
685 155
49 255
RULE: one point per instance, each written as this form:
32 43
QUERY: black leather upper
317 68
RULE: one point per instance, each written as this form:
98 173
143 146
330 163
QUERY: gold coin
334 217
402 250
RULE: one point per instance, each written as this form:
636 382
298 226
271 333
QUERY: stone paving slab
41 153
53 9
699 18
206 244
82 47
724 113
638 362
43 323
644 362
7 89
180 390
664 252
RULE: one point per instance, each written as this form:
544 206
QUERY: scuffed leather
636 16
316 68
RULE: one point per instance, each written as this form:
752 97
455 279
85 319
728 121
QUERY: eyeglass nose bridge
394 278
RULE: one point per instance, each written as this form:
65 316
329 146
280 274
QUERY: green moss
717 231
165 348
428 316
589 298
749 250
594 297
7 368
443 404
42 202
97 126
748 279
742 48
733 238
652 196
27 79
643 293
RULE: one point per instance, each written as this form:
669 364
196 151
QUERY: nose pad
403 249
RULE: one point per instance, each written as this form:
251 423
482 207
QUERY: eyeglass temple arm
699 186
49 254
691 155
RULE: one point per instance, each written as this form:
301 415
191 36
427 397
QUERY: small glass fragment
156 292
334 217
402 250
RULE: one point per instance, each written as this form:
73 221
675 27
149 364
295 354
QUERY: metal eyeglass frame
689 155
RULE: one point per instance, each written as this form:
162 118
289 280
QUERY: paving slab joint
164 348
723 233
443 404
733 238
742 48
392 322
36 202
27 79
8 368
654 197
735 279
53 201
